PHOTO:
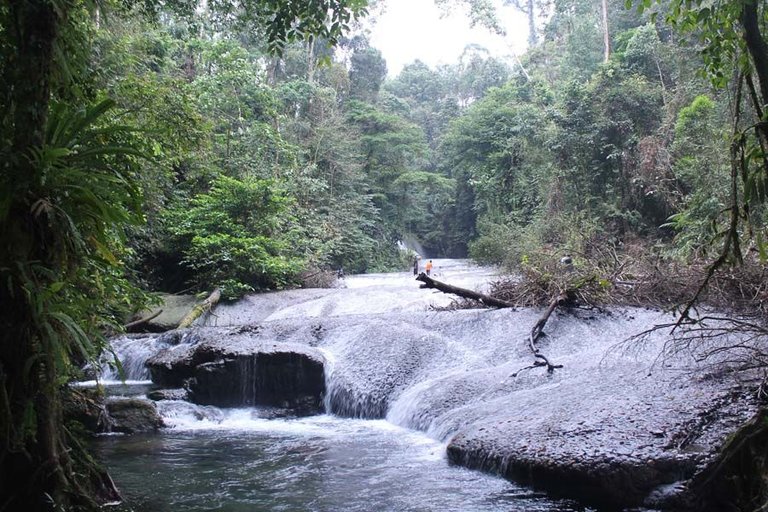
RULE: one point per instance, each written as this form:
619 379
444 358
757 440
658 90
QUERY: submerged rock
168 394
132 415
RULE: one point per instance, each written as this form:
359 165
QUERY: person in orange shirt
428 267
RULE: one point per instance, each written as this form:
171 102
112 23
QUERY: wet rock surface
168 394
132 415
239 367
617 426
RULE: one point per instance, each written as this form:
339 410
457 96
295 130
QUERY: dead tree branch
142 321
536 331
462 292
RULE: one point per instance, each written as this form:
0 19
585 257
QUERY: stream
249 459
321 463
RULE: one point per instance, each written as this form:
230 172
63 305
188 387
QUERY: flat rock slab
619 425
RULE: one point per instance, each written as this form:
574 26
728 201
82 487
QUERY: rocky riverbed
619 425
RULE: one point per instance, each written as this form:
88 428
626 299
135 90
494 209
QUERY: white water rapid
403 382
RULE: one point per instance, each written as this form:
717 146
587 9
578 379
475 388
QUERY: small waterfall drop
133 351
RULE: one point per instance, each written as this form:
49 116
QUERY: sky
416 29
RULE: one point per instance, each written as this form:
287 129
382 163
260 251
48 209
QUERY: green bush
232 237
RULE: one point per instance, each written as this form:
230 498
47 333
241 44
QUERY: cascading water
133 351
401 380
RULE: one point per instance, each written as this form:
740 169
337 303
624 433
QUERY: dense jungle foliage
181 145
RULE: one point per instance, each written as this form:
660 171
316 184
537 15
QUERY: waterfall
132 353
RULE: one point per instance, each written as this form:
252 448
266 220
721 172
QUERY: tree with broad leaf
68 188
734 49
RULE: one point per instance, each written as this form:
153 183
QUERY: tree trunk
533 37
311 61
36 471
201 308
462 292
606 33
35 31
756 46
758 50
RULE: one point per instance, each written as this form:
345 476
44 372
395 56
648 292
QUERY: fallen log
462 292
201 308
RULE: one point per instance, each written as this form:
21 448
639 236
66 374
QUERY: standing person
428 267
416 265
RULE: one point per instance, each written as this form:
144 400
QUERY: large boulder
280 376
97 414
236 367
86 407
172 310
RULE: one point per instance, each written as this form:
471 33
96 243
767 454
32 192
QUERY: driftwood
536 331
462 292
201 308
142 321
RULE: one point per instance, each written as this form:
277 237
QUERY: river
243 459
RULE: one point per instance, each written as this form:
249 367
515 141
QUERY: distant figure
340 273
567 262
416 265
428 267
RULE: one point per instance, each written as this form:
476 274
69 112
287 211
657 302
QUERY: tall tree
67 188
527 7
366 73
606 31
